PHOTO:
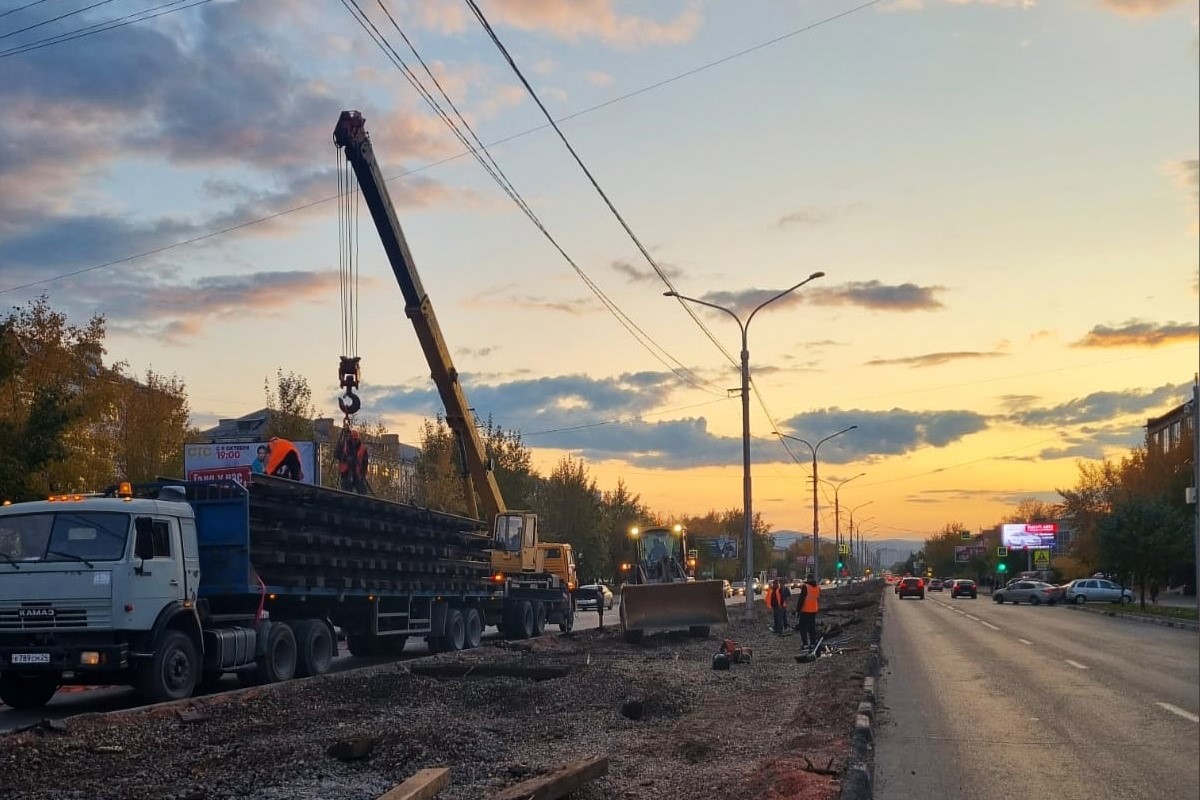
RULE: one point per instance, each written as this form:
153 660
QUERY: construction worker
284 460
807 607
777 597
351 454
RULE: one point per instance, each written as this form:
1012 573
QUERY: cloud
918 5
1101 406
475 352
597 78
812 216
1186 173
864 294
1004 496
1095 443
508 296
1140 8
933 359
635 275
1135 333
572 20
881 433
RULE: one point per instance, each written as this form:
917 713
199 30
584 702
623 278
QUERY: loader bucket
673 606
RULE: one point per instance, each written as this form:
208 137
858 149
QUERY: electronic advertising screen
1031 535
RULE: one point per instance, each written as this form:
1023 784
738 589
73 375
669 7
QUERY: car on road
911 587
964 587
739 588
593 594
1095 590
934 585
1033 592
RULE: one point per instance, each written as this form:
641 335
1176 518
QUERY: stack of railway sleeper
307 536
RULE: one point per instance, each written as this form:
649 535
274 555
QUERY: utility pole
1196 477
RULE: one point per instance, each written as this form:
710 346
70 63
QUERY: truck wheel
539 617
30 690
523 619
568 620
698 631
173 672
278 663
314 647
474 629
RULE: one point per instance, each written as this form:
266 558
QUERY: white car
592 594
1096 590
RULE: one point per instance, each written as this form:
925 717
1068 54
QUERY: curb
860 769
1184 624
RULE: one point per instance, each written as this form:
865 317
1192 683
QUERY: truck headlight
89 658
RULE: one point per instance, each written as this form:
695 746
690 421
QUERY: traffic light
839 565
1002 567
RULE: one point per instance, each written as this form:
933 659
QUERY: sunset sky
1002 194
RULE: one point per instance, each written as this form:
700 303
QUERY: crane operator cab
515 540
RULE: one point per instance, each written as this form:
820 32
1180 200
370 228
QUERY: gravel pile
670 725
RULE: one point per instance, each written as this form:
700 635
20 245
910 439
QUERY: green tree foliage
291 406
568 505
938 552
714 524
150 426
439 483
1143 537
620 510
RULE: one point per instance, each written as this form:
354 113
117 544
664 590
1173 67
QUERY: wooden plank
558 783
427 783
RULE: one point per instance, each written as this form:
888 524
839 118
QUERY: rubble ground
670 725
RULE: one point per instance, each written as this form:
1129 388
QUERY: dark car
911 587
964 587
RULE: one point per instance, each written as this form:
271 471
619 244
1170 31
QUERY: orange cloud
1136 333
1140 8
573 20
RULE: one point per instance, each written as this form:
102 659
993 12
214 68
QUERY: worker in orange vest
807 607
284 460
352 458
777 597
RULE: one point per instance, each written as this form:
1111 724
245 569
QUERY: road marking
1177 710
971 617
1076 664
988 624
1024 641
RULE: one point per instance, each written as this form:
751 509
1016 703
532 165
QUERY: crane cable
348 206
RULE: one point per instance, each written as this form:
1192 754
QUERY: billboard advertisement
236 461
964 553
1031 535
724 547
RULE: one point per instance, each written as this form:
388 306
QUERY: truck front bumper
81 657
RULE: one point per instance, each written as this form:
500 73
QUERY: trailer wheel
539 617
173 672
314 647
474 629
456 631
568 620
278 663
29 690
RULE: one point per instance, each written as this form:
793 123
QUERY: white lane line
1024 641
989 625
1076 664
1177 710
971 617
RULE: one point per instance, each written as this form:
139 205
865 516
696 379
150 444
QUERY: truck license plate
31 658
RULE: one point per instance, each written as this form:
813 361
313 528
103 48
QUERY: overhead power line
503 140
21 8
485 160
56 19
100 27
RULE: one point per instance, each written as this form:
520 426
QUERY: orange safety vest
770 598
812 600
280 450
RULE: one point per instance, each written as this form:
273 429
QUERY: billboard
724 547
964 553
1031 535
236 461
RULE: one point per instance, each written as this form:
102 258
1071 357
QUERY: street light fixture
747 513
816 519
837 516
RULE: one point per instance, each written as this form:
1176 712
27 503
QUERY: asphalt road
84 700
986 701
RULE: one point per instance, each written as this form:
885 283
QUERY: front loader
659 594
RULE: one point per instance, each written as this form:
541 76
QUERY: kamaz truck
168 586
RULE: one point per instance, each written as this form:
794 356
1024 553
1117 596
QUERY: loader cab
659 553
515 543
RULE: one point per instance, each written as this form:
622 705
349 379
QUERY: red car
911 587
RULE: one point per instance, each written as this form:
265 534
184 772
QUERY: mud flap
673 606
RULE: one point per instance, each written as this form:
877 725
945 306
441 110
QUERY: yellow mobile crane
534 596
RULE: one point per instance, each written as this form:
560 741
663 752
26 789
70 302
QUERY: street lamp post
856 508
816 519
747 513
837 514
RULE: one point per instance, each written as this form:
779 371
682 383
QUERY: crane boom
351 135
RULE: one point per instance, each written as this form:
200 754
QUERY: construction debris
558 783
425 785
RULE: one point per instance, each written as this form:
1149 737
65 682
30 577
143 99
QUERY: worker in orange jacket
776 599
352 459
807 606
283 460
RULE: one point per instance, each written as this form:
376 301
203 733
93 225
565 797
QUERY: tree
568 508
619 511
1143 537
291 406
151 426
438 470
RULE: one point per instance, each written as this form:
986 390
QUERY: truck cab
86 582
